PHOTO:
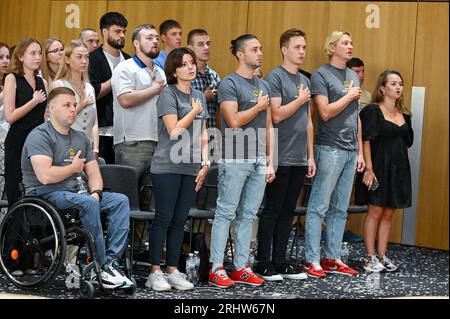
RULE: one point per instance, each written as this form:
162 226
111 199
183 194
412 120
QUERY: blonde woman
386 183
73 74
52 52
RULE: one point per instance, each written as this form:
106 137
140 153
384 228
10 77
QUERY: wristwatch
99 193
205 163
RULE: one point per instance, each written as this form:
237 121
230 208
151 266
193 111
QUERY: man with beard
102 62
136 84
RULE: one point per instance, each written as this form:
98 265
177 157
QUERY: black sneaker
288 271
267 272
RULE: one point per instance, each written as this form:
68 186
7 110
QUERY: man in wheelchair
54 155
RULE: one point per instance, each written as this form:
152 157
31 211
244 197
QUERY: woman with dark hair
386 182
179 166
5 58
24 102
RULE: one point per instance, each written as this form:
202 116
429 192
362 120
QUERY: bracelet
205 163
98 192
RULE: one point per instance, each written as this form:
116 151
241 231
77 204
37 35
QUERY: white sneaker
178 281
110 279
157 281
387 263
372 264
115 266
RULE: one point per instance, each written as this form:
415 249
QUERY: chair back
121 179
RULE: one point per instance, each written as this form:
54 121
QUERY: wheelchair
34 241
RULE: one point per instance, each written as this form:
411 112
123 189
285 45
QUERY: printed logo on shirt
71 155
346 86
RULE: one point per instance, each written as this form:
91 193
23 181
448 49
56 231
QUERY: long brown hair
46 72
64 71
378 96
15 66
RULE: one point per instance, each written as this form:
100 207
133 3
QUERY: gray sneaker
157 281
373 264
387 263
178 281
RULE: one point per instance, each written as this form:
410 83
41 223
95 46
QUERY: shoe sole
339 273
160 290
267 278
248 283
183 288
223 287
373 270
315 276
295 277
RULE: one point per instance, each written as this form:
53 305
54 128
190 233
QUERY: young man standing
291 116
101 64
90 38
338 151
170 31
246 162
357 65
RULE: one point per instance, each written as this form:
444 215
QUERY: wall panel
89 17
431 71
20 18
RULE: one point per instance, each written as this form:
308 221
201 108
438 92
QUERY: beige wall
412 38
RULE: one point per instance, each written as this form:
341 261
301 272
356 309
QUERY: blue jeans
330 196
241 190
115 205
174 196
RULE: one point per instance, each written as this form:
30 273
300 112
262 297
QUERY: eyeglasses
56 50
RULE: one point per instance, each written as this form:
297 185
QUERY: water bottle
197 266
82 188
251 258
190 268
344 252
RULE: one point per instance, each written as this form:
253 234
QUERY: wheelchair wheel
32 243
87 289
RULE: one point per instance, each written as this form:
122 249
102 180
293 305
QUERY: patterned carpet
423 272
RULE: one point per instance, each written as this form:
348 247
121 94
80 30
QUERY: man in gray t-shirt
53 156
244 105
338 150
290 96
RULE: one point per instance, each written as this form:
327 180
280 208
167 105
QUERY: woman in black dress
386 182
24 102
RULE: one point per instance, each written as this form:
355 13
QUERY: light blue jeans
330 197
115 205
241 190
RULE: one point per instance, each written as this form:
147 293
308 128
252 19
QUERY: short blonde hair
331 40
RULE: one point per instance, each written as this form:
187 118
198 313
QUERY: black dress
389 145
17 134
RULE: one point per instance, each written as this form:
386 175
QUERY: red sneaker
246 276
313 271
337 267
219 278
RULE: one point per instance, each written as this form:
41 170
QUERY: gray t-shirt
248 141
342 130
181 156
292 138
45 140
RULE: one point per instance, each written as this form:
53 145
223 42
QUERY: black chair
123 179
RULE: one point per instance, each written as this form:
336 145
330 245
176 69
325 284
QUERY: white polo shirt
138 123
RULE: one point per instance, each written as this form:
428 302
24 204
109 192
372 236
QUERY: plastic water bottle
344 253
197 266
82 188
190 268
251 258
